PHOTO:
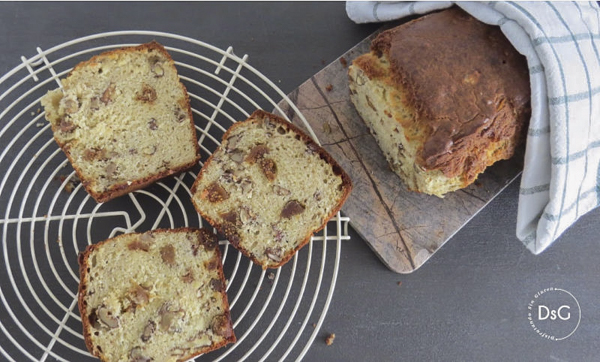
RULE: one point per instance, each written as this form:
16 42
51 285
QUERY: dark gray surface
469 301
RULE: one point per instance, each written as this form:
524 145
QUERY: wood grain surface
404 228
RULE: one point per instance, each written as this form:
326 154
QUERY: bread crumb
326 128
344 62
399 283
329 339
71 184
314 325
69 187
329 88
58 241
271 276
39 124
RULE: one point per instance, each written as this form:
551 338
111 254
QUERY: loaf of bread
268 188
124 121
445 96
156 296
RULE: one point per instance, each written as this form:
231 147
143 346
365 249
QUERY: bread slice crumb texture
157 296
123 119
268 188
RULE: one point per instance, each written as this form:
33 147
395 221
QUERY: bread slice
124 121
156 296
268 188
445 96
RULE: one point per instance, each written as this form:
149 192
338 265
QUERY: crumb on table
326 128
329 87
344 62
329 339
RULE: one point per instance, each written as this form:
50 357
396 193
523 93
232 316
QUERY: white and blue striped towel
561 40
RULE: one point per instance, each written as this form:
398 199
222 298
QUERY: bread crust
123 188
83 258
346 182
457 89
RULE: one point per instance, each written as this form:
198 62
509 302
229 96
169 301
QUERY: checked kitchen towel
561 40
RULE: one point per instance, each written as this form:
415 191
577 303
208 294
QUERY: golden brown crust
466 84
83 276
232 338
370 67
125 188
346 182
83 270
153 45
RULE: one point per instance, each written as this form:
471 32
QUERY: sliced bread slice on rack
124 120
268 188
156 296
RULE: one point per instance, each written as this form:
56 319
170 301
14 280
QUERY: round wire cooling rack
46 216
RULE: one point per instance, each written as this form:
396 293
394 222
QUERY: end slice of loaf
445 96
124 121
268 188
156 296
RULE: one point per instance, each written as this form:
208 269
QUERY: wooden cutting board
404 228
